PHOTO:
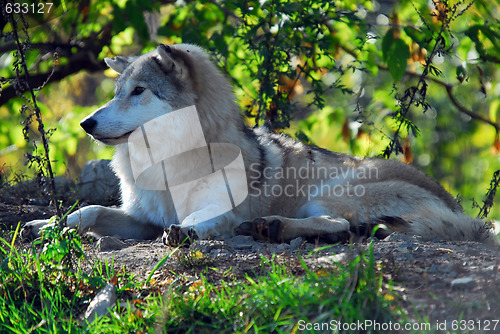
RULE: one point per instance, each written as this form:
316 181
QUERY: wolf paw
271 229
262 229
175 235
31 230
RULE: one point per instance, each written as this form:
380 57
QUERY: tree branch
461 108
80 61
449 91
453 99
84 59
49 47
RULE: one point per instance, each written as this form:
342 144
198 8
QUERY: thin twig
490 196
421 80
461 108
38 114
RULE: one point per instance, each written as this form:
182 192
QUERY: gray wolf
293 189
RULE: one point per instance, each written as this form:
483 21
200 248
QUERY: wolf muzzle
88 124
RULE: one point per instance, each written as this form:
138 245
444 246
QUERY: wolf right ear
119 63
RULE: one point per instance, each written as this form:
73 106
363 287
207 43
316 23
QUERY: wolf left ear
119 63
173 60
166 57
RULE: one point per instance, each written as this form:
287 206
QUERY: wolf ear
119 63
173 60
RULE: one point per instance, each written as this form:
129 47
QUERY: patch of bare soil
438 281
11 214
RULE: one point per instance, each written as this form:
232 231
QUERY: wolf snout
88 124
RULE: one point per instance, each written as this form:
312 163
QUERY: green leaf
486 40
290 7
422 38
387 43
395 53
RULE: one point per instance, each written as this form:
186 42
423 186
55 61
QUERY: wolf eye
138 90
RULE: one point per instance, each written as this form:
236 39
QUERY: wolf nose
88 124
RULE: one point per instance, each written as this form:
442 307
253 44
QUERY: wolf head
149 86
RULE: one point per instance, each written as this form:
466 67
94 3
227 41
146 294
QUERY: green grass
47 287
277 301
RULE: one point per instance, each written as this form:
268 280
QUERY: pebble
220 252
463 283
331 258
209 246
281 248
296 243
241 242
446 268
106 244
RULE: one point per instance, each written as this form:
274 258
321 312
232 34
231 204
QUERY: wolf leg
313 222
199 225
101 221
281 229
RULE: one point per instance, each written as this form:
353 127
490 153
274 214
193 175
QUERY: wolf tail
437 223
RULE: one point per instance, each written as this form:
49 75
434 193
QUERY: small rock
296 243
106 244
98 183
331 258
463 283
257 247
204 246
446 268
220 252
211 247
101 303
281 248
309 246
241 242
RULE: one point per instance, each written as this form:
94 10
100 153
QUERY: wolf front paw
262 229
32 229
175 235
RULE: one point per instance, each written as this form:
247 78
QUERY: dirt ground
437 281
